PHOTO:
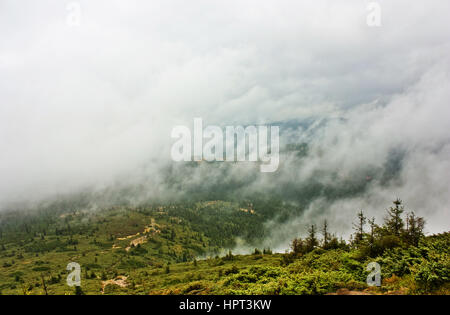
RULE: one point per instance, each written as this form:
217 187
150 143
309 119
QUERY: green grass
35 248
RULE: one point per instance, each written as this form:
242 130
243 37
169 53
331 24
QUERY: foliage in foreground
170 250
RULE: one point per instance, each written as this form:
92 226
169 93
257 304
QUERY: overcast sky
83 104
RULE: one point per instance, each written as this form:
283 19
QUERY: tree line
399 228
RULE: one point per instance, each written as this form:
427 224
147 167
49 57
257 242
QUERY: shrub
432 275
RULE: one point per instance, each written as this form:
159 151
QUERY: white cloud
80 106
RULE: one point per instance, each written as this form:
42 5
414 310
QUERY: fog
91 106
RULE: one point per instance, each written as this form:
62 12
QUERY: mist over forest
86 112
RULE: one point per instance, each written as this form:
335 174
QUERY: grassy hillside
181 249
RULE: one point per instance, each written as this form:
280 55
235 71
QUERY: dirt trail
121 281
370 291
348 292
149 231
251 211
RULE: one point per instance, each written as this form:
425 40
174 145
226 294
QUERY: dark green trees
392 233
394 222
325 234
298 246
359 227
414 228
373 242
311 240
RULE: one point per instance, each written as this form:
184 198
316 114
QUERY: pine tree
372 230
325 234
297 246
311 241
414 230
359 227
394 222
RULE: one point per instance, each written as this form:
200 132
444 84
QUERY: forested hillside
187 249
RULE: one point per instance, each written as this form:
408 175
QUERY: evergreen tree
372 230
414 230
311 241
325 234
394 222
229 256
359 227
298 246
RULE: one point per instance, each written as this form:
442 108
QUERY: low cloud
91 108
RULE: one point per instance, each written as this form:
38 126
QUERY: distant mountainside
199 181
